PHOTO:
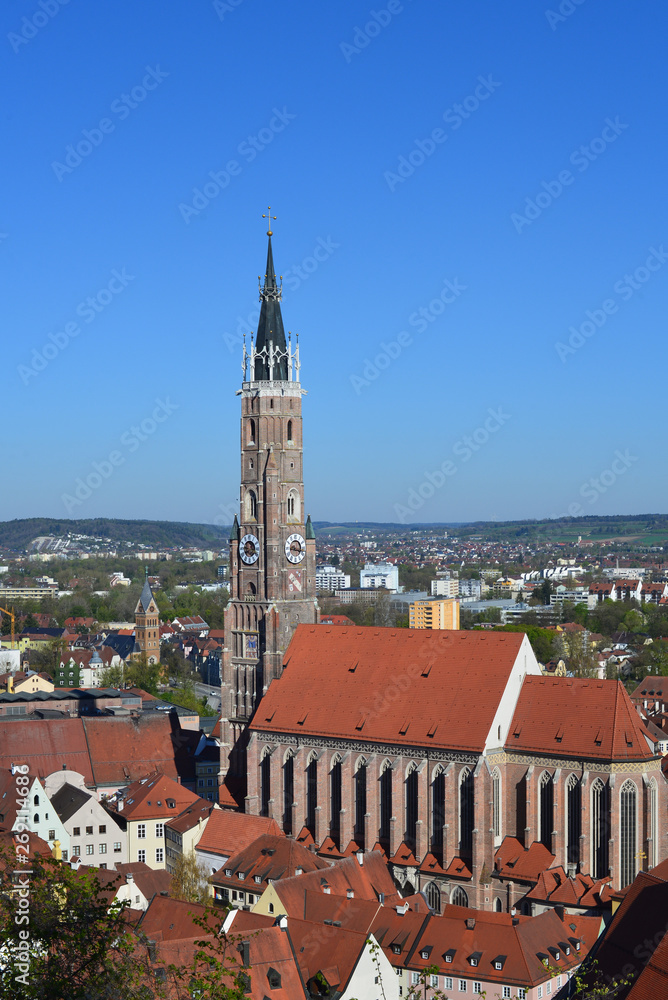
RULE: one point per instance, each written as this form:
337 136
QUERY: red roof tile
124 749
46 745
513 861
391 685
577 717
228 833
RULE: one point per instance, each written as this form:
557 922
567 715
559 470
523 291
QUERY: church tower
147 625
272 545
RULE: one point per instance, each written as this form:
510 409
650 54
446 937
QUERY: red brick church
447 750
450 752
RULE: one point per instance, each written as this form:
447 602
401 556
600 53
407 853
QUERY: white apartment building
375 575
330 578
93 834
445 587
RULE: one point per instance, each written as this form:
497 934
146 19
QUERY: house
93 834
37 814
228 833
139 884
25 683
143 808
245 876
182 833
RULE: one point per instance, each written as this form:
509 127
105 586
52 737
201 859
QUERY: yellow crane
12 618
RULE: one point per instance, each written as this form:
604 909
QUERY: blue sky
459 188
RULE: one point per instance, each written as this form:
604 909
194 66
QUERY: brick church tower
272 545
147 625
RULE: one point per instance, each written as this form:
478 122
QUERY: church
448 751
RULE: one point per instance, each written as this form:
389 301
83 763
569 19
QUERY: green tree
189 879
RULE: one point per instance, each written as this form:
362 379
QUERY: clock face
249 549
295 548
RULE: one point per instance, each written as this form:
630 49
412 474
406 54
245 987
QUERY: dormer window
396 949
424 954
498 966
474 959
241 876
258 878
228 872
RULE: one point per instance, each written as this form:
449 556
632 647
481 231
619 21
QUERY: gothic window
411 792
265 784
385 801
466 813
289 432
498 905
335 798
599 829
311 793
546 799
437 811
574 819
360 801
653 829
496 805
459 897
433 894
628 832
251 506
288 791
251 432
293 504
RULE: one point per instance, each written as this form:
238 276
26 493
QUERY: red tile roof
150 798
391 685
269 858
513 861
228 833
149 881
554 886
577 717
46 745
368 881
124 749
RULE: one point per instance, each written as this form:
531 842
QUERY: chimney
299 871
360 858
283 922
381 898
516 921
402 909
350 894
129 877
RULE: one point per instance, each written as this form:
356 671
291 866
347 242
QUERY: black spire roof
270 325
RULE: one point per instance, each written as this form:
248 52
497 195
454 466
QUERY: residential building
470 590
272 543
330 578
445 587
244 877
441 614
182 833
94 836
143 808
375 576
229 833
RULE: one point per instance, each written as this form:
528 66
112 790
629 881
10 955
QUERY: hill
17 535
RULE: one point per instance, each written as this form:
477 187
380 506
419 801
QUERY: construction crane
12 618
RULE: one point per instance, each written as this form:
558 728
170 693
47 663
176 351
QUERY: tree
112 677
189 879
142 674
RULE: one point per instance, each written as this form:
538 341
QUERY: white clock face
249 549
295 548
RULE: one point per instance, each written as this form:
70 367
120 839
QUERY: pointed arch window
290 437
466 813
288 791
496 805
360 800
265 784
628 821
433 894
251 506
251 432
653 827
311 792
293 505
411 793
574 819
459 897
385 801
599 829
437 811
335 798
546 799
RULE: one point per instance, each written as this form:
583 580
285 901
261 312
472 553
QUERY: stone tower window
289 432
251 432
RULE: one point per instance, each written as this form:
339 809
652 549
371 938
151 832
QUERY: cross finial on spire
268 216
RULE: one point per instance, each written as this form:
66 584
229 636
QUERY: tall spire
270 325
